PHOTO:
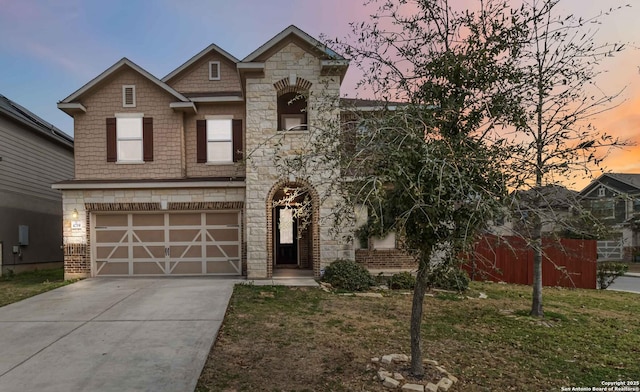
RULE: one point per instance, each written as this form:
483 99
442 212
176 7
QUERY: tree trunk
417 368
536 303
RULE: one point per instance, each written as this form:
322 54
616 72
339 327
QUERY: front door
286 239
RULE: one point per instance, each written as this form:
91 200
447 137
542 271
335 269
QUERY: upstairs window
129 138
602 191
292 112
129 96
219 140
214 70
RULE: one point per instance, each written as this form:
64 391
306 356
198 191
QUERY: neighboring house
553 203
161 186
33 155
614 198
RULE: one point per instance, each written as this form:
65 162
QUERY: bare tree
559 62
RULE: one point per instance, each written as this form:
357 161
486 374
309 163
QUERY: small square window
129 96
214 70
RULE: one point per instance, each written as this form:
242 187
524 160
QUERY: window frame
124 95
602 191
119 138
211 77
228 141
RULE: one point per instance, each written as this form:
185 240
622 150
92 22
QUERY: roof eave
72 108
187 107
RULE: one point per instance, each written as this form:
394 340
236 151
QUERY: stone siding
261 174
90 131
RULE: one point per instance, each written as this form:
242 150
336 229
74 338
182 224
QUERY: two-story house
614 198
33 155
176 176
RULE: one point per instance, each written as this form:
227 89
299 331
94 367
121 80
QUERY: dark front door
286 239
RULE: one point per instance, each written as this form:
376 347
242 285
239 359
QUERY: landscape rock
390 383
398 376
431 387
430 362
483 296
444 384
383 374
413 388
452 378
399 357
375 360
386 359
442 370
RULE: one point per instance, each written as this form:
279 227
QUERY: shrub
402 281
609 271
451 278
348 275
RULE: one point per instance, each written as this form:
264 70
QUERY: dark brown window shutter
147 139
201 140
237 140
112 141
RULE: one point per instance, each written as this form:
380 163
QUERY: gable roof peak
197 57
296 31
116 67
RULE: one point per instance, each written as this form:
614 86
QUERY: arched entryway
293 240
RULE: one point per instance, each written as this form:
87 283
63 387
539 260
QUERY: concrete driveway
112 335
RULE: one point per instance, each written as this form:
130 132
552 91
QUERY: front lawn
295 339
14 288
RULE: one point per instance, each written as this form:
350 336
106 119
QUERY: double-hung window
219 141
129 134
129 138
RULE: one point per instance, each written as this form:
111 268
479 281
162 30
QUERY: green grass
305 339
16 287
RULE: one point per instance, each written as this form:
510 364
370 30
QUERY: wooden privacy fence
565 262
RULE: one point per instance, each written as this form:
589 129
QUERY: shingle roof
629 178
21 114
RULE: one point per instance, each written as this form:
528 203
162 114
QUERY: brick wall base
76 261
385 259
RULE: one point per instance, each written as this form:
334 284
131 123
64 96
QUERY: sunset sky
50 48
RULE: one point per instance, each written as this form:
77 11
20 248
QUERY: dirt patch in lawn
282 339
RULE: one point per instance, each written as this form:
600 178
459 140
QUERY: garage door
152 244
